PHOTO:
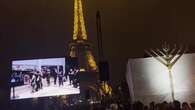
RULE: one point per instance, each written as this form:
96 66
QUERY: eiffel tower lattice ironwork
80 47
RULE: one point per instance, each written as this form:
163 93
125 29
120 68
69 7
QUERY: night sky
43 28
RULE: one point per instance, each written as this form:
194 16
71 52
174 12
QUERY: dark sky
42 28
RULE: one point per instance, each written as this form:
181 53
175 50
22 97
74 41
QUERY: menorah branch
156 57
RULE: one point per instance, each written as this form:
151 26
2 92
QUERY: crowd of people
175 105
117 104
120 100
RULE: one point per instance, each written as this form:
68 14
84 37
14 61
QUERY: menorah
168 57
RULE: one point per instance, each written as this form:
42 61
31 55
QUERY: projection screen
42 78
148 80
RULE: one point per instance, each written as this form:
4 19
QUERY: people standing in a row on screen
36 81
37 78
73 77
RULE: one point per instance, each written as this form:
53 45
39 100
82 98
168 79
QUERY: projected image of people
42 78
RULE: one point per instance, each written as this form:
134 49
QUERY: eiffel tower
79 46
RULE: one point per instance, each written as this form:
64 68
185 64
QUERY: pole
171 85
99 35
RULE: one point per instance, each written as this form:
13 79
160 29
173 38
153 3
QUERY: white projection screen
41 78
148 79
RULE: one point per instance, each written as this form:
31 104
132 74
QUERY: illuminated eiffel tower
79 46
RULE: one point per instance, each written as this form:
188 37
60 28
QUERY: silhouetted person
13 83
60 78
185 106
71 75
55 76
48 77
38 81
138 106
146 107
152 106
192 106
33 82
75 79
176 105
66 75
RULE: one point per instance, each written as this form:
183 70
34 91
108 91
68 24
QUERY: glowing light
79 24
72 52
80 36
91 61
82 70
106 89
